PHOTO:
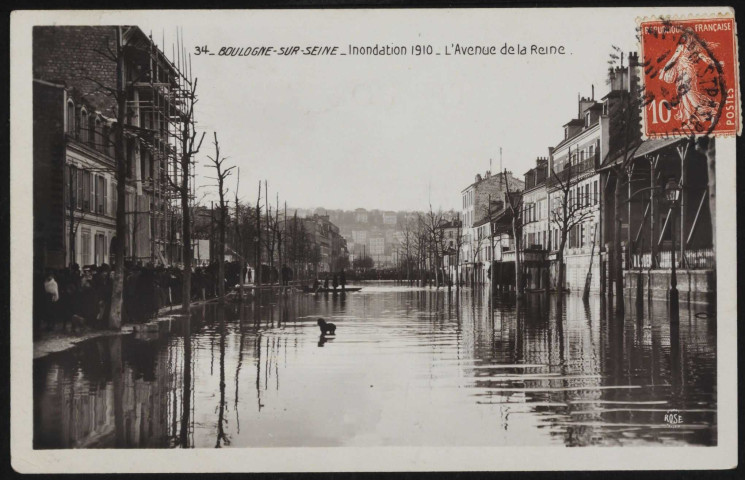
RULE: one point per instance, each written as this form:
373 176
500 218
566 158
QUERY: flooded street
408 366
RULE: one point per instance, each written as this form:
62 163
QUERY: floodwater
408 366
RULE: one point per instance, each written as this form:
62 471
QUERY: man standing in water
343 280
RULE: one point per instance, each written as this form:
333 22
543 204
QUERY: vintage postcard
374 240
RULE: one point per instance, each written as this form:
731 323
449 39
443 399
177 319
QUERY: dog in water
326 327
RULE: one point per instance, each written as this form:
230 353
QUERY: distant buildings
325 235
484 196
390 218
360 215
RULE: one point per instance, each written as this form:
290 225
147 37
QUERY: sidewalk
55 341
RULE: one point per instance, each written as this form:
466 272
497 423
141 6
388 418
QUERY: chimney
593 93
633 71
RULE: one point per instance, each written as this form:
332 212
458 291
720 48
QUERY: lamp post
672 194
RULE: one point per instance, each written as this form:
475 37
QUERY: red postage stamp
690 70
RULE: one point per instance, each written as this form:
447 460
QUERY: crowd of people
337 280
75 298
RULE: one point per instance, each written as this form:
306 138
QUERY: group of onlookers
74 298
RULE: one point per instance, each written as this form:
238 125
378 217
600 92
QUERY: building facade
573 189
74 145
480 199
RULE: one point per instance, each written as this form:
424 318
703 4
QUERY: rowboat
331 290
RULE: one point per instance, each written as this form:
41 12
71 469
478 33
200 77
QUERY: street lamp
672 194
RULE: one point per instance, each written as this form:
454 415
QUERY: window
105 139
85 241
587 119
592 151
595 195
94 194
96 140
71 192
98 248
70 117
105 199
111 137
113 198
79 194
100 195
86 193
83 127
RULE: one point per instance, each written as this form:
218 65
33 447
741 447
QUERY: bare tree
458 248
570 211
271 233
222 173
432 223
238 243
189 148
407 242
515 204
258 238
491 210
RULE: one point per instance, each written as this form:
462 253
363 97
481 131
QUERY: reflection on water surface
407 367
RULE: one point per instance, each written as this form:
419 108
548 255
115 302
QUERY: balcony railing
697 259
571 171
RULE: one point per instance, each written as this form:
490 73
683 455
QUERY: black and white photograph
374 240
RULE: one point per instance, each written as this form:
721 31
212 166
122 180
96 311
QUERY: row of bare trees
423 246
126 129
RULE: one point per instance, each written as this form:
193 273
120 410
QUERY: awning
646 147
651 146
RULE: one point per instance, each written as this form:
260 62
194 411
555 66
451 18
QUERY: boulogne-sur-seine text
452 49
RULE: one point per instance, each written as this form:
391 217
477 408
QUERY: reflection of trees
115 349
242 313
186 387
222 438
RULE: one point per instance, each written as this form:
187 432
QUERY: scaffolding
161 96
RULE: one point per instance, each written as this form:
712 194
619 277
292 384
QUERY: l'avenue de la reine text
384 50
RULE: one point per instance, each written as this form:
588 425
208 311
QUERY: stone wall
694 286
577 266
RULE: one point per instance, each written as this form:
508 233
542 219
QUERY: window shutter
105 195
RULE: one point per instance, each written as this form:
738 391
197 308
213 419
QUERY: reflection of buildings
78 409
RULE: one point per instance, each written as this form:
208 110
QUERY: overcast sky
390 132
